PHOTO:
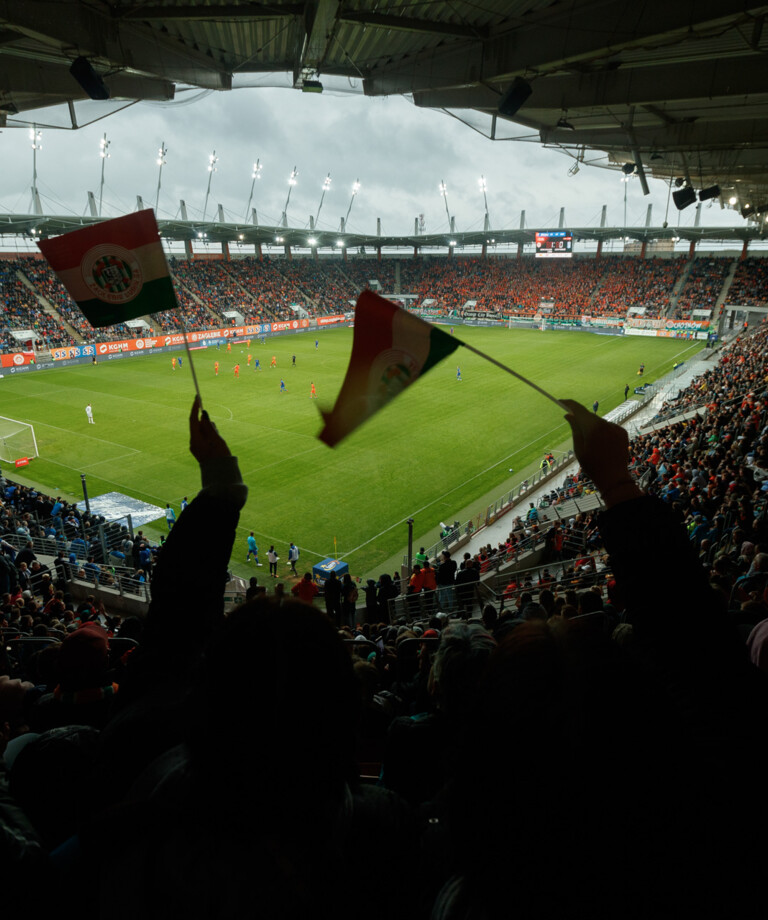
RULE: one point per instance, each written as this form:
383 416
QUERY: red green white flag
391 349
114 270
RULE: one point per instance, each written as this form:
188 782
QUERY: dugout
322 570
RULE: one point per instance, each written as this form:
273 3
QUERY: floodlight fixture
444 192
451 242
161 154
355 190
212 161
105 155
255 174
732 200
340 244
291 182
628 169
36 136
312 241
326 186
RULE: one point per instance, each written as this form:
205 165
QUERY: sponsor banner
291 324
73 351
147 343
22 461
18 359
688 325
633 330
602 320
636 323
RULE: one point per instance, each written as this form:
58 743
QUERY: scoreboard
554 244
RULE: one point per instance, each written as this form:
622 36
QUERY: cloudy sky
399 154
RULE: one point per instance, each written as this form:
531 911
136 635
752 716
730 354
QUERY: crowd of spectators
266 290
749 287
23 311
645 283
703 286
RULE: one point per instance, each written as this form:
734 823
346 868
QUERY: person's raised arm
662 581
191 573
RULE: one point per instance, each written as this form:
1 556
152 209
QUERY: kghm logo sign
112 273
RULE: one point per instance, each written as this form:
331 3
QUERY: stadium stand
703 286
749 287
279 289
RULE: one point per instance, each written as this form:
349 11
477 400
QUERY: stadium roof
37 227
675 90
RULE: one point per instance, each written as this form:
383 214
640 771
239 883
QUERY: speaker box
683 197
82 70
514 97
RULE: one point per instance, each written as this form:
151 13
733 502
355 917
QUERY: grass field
437 448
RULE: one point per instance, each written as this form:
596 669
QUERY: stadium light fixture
340 244
36 136
484 189
732 200
161 154
291 182
444 192
105 155
212 161
326 186
255 174
312 241
355 190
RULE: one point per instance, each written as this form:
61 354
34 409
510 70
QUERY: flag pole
189 357
509 370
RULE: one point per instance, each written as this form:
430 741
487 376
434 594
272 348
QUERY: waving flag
114 270
391 349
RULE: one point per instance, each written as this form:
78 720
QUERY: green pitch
436 449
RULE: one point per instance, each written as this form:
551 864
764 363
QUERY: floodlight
312 241
340 243
712 192
732 200
628 169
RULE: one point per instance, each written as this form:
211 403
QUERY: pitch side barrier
459 533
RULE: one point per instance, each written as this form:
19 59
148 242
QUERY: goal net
17 440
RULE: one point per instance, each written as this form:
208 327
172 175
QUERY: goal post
17 440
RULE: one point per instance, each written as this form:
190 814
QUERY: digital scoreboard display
554 244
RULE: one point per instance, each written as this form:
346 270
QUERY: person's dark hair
279 677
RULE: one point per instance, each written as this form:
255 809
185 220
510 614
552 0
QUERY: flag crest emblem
112 273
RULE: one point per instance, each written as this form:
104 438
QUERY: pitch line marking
90 437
